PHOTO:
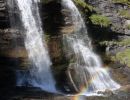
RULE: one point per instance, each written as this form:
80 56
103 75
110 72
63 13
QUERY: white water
80 44
40 72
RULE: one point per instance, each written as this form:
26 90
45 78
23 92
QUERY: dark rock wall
7 75
4 22
12 50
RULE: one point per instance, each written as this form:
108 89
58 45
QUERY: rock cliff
108 23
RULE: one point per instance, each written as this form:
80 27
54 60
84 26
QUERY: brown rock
125 88
67 29
55 49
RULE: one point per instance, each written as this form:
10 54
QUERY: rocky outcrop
113 40
112 10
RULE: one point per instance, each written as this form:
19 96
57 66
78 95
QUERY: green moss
103 21
128 27
120 1
126 2
125 13
123 57
84 5
47 37
124 42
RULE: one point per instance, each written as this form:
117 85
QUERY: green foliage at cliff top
84 5
103 21
123 57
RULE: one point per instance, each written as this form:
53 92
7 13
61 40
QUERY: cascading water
80 44
39 74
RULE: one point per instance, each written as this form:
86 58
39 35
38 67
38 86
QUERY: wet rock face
10 38
37 94
4 18
55 49
13 54
52 17
77 77
12 43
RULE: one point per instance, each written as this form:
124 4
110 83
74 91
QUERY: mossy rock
124 13
103 21
123 57
125 2
128 27
84 5
124 42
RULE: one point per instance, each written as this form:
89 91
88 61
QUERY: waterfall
87 62
39 74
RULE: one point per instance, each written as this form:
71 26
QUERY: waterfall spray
87 62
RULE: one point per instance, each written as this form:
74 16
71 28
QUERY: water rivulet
89 76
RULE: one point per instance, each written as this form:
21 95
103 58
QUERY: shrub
125 42
84 5
123 57
103 21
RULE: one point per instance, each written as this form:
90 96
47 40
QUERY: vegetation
125 13
121 1
123 57
126 2
84 5
128 27
47 37
124 42
103 21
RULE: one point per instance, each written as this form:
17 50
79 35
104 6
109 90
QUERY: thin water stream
87 63
39 74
